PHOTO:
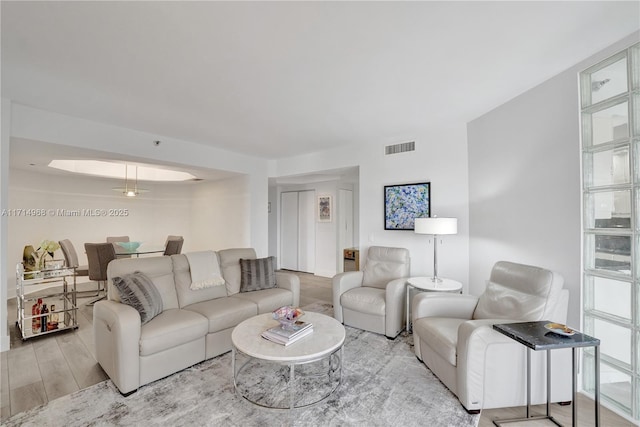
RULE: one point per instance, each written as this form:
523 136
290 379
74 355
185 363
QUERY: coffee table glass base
286 385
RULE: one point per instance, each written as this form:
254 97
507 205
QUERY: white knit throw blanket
205 271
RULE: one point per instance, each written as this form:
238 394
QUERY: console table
536 337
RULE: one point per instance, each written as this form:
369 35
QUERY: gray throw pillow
257 274
138 291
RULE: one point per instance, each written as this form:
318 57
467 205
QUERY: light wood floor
36 371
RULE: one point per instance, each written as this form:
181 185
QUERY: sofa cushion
139 292
384 265
157 268
224 313
267 299
364 300
519 292
442 335
230 265
171 328
257 274
182 277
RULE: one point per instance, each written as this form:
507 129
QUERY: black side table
536 337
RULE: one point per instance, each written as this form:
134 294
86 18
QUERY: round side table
427 284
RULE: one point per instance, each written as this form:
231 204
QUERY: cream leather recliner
454 337
373 299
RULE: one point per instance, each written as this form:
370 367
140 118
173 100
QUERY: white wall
5 133
524 182
208 215
149 218
440 157
220 215
327 233
39 125
19 121
273 209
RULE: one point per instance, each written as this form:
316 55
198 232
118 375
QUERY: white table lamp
437 227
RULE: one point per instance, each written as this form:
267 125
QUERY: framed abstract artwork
404 203
324 208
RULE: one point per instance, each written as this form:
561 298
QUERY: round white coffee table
427 284
324 342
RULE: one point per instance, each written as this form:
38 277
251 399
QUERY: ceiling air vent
400 148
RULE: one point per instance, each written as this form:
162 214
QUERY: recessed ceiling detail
120 170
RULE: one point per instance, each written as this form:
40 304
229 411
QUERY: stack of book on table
283 336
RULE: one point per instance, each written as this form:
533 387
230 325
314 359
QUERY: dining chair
99 256
119 249
71 260
173 246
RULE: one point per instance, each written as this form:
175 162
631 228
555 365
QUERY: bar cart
30 322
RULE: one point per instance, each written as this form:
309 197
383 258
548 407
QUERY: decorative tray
559 328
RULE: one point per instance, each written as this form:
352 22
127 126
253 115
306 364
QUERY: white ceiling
34 156
275 79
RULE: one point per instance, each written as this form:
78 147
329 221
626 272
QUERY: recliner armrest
394 307
439 304
116 330
475 339
342 283
289 281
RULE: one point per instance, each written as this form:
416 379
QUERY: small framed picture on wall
324 208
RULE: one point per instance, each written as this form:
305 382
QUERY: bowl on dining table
129 246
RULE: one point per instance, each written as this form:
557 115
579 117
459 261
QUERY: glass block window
610 102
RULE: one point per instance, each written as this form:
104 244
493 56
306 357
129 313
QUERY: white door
345 224
298 231
307 231
289 230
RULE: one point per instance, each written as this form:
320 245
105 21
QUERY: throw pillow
257 274
138 291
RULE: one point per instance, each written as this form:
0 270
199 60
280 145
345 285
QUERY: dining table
143 249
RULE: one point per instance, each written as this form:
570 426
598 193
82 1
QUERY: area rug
383 384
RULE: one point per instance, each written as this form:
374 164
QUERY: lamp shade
436 225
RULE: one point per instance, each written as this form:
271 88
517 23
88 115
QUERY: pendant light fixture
130 189
130 192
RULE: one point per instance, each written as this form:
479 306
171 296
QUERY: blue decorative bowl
129 246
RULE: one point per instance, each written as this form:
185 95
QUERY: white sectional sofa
194 325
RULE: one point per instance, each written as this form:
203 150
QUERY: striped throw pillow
257 274
138 291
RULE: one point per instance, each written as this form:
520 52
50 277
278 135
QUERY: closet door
307 231
345 225
289 230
